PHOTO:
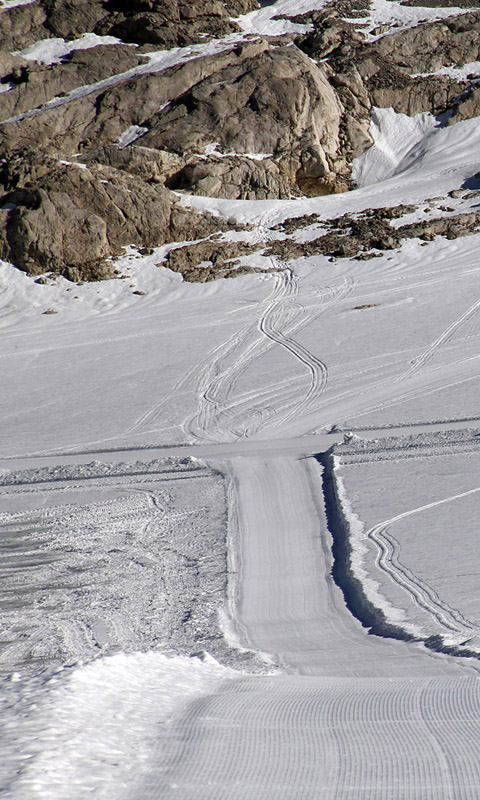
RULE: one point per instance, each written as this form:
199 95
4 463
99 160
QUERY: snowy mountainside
240 366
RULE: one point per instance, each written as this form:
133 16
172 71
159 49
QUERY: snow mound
99 723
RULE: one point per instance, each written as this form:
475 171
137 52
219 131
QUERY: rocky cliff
109 109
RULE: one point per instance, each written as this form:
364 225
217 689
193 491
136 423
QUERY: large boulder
74 218
276 103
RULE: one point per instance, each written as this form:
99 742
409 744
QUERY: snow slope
253 375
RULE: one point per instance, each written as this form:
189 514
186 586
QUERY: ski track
450 619
282 318
269 325
328 730
335 728
442 339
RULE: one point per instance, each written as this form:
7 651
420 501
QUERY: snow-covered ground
156 468
417 565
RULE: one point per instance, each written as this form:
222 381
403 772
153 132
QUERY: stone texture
302 103
467 107
427 47
370 233
21 26
274 102
172 23
209 260
72 219
162 23
233 177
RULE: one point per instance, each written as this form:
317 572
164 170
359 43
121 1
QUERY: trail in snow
445 337
388 560
363 739
352 717
222 409
358 718
269 325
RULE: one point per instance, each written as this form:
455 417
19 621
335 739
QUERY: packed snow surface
159 486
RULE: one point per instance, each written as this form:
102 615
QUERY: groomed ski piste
238 537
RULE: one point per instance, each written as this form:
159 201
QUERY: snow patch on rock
52 51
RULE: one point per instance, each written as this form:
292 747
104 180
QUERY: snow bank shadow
401 577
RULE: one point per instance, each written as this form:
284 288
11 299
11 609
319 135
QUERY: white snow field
200 598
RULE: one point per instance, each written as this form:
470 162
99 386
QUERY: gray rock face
264 118
170 23
73 218
275 102
370 233
380 73
21 26
427 47
467 107
164 23
35 84
68 18
233 177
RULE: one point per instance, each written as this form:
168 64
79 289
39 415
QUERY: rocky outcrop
161 23
262 118
233 177
430 46
381 72
171 23
21 26
467 107
31 85
74 218
370 233
212 259
274 102
441 3
253 99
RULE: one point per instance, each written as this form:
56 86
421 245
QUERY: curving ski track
226 413
450 619
269 325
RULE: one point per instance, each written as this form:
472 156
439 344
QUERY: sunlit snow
161 480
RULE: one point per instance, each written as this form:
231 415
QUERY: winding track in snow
450 619
219 409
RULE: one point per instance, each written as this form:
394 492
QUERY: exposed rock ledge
265 118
